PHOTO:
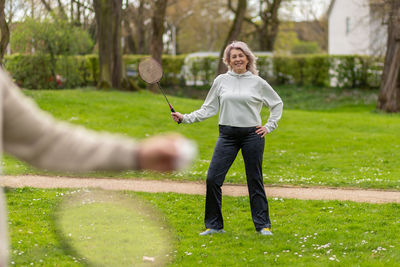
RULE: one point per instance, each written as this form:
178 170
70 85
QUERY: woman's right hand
176 116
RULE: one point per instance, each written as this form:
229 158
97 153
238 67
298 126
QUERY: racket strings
150 71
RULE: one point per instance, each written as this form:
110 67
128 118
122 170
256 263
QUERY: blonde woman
238 95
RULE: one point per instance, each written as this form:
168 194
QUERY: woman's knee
213 181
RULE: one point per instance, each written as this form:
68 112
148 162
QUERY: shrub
302 47
56 37
355 71
28 71
172 67
35 71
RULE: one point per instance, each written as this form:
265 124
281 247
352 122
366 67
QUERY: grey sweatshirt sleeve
272 100
37 138
209 108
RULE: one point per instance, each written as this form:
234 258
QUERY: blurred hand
261 131
159 153
176 116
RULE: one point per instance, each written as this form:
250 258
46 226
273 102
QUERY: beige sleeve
34 136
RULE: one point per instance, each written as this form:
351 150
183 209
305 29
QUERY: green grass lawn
327 137
306 233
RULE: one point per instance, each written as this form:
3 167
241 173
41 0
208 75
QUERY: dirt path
153 186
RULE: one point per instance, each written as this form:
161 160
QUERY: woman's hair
251 66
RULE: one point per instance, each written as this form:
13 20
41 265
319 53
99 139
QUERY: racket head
106 228
150 70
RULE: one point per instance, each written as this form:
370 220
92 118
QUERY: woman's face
238 61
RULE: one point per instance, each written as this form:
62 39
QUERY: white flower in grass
324 246
149 259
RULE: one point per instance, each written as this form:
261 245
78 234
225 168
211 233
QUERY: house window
347 25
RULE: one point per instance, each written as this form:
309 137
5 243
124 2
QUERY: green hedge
356 71
309 70
34 71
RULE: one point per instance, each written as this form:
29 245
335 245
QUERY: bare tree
108 18
156 47
235 30
268 29
177 14
60 9
139 19
389 93
5 33
129 46
136 26
11 8
158 20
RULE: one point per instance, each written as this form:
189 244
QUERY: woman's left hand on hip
261 131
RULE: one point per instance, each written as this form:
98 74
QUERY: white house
357 27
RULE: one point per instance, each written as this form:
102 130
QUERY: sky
299 10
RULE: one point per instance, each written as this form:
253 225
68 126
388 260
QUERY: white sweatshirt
240 98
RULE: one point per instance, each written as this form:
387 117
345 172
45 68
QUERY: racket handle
173 110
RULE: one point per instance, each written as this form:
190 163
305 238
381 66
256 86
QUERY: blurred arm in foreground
34 136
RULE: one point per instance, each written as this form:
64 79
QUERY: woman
239 94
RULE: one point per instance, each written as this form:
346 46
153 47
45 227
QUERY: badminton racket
151 72
105 228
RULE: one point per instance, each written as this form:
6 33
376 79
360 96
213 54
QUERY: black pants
230 141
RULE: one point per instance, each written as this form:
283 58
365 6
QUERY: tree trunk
5 33
108 18
117 71
389 93
234 32
130 45
267 35
269 28
156 47
141 29
103 13
158 29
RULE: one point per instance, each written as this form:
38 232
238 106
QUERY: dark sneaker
212 231
265 231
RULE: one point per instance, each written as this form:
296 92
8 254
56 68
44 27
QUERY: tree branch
230 6
46 5
83 5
